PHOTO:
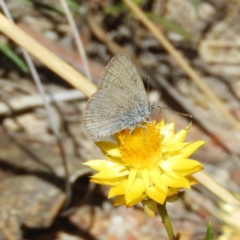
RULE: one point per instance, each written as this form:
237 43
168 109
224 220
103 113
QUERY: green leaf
196 4
72 4
48 7
115 9
139 2
209 234
170 25
25 1
43 6
118 8
14 57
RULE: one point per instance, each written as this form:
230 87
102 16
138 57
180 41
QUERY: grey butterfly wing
121 73
108 113
120 101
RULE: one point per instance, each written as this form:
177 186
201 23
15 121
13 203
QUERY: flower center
141 149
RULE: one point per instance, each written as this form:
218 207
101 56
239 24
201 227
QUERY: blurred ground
31 171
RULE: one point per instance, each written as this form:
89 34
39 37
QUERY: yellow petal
184 167
156 194
136 190
172 192
192 180
190 149
180 136
149 207
109 148
145 177
169 147
160 125
119 200
118 189
180 182
156 176
108 182
100 165
131 178
136 200
112 173
168 132
166 167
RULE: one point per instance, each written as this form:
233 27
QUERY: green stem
166 221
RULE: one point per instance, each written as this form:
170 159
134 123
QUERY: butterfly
120 101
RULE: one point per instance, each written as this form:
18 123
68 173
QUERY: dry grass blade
49 59
77 38
216 189
181 61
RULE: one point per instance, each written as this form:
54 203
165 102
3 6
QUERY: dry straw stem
203 178
217 190
53 62
181 61
77 38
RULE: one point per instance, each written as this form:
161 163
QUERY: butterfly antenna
182 114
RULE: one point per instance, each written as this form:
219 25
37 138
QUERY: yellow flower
148 165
